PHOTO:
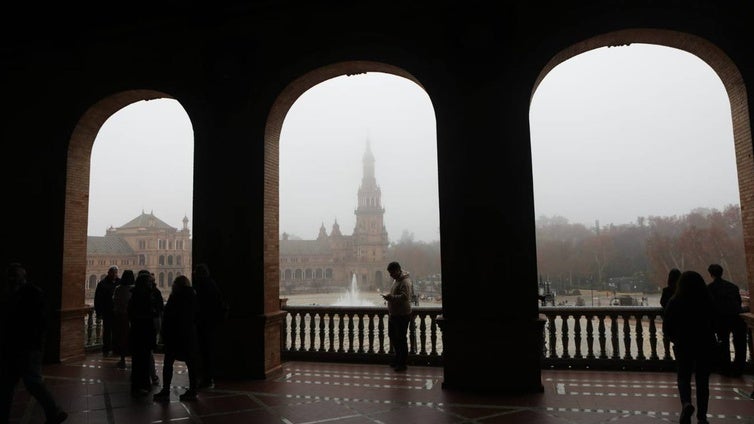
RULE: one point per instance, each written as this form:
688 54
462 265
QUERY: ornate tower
370 235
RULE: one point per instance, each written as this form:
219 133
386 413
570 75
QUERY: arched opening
733 83
350 246
600 236
79 190
379 101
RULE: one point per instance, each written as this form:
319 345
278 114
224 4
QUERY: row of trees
570 254
420 258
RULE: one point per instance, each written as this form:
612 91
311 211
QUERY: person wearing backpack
726 301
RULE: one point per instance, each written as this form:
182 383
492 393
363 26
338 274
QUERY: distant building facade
330 261
145 242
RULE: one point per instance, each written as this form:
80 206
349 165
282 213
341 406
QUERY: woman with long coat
179 337
121 327
688 324
142 338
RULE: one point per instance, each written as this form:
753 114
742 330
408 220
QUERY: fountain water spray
351 297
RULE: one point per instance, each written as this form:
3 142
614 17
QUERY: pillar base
491 355
72 334
248 347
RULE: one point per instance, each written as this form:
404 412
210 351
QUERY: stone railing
607 337
356 334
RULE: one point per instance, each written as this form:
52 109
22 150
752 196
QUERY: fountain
351 297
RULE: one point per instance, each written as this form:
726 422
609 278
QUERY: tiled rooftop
95 391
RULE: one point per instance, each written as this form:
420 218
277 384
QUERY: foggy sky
623 132
617 133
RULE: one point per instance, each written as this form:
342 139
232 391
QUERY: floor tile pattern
96 391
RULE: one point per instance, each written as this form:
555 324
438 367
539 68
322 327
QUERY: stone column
491 327
230 234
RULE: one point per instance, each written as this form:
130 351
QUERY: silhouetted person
103 306
726 301
120 316
399 313
158 303
179 337
24 322
212 311
142 338
688 324
669 290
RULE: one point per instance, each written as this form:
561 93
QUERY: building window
170 278
328 273
92 282
170 244
142 244
179 245
318 274
178 260
161 261
308 274
298 275
142 259
170 259
161 244
162 279
287 275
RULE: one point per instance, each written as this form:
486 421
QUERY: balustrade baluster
331 332
412 335
433 335
666 348
589 337
565 337
577 335
627 337
639 337
312 331
614 336
653 337
284 333
552 338
601 336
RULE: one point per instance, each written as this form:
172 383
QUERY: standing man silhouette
23 330
399 313
105 307
726 300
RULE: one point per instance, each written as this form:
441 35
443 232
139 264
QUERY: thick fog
617 133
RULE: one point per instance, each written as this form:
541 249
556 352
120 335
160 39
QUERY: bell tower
370 235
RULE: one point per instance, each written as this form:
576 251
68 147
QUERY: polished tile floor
95 391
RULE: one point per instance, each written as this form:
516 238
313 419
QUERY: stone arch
734 85
275 119
77 214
